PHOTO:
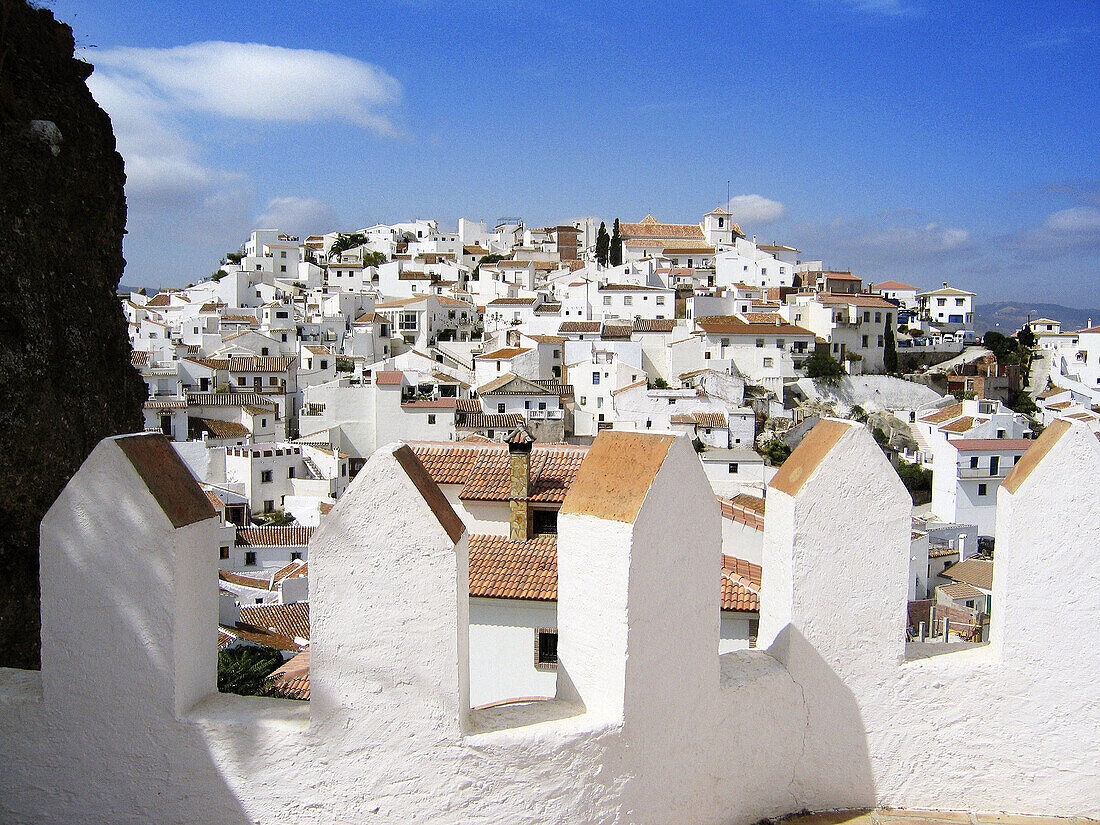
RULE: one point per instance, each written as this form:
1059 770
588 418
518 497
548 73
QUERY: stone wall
65 374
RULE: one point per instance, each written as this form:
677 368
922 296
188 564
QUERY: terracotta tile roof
649 227
245 319
740 585
489 421
700 419
165 404
504 353
769 318
961 590
548 308
945 414
961 425
245 580
941 552
688 250
291 680
978 572
990 444
430 404
509 302
616 331
231 399
214 498
744 509
548 339
893 285
257 635
636 384
1061 405
139 358
631 288
505 569
273 536
484 471
261 363
874 301
388 377
162 299
224 429
290 620
318 350
731 325
516 385
468 405
654 325
578 326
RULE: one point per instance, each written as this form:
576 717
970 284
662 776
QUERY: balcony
536 415
983 472
555 415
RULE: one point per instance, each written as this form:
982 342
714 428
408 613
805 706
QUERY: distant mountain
1009 316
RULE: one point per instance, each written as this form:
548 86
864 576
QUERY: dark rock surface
65 375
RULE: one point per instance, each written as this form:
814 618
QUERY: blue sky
902 139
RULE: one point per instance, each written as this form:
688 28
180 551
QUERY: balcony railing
983 472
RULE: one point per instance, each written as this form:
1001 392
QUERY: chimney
229 612
519 459
945 284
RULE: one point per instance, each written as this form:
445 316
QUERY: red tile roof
740 585
273 536
484 470
505 569
990 444
290 620
388 377
744 509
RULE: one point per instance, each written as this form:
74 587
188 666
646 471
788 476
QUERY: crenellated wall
649 724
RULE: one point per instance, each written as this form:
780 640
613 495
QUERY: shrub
917 481
776 452
244 670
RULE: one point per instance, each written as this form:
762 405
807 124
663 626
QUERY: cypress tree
603 243
890 355
616 245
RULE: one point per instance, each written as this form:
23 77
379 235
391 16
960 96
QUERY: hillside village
499 354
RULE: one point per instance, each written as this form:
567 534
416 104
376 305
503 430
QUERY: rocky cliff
65 374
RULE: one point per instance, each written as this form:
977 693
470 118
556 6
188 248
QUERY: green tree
822 365
917 481
776 452
615 257
890 353
603 245
232 257
858 414
1019 401
344 242
659 383
244 670
1026 337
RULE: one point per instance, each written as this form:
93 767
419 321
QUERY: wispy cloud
1058 38
754 210
1066 232
297 215
882 8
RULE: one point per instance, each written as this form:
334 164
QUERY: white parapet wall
649 724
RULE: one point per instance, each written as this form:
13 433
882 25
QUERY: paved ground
886 816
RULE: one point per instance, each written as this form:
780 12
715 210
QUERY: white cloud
885 8
297 216
1075 219
931 237
755 209
253 81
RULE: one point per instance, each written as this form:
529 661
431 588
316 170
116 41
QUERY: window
542 405
406 321
880 341
296 555
240 381
973 462
324 364
282 268
733 467
759 343
941 302
265 476
595 378
545 522
725 342
500 407
546 649
648 423
431 418
628 300
269 505
263 422
1001 433
994 464
983 489
584 400
706 355
607 300
660 300
863 341
291 472
1015 460
223 551
284 337
769 362
250 558
599 402
958 302
273 381
721 222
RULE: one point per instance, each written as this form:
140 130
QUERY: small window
660 300
973 462
269 505
546 648
733 467
324 364
759 343
240 381
223 551
250 558
628 300
291 472
607 300
273 381
500 407
545 522
265 476
863 341
595 378
983 489
296 555
431 418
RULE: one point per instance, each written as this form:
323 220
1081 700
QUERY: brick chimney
519 459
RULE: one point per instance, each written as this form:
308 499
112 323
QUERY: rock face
65 375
